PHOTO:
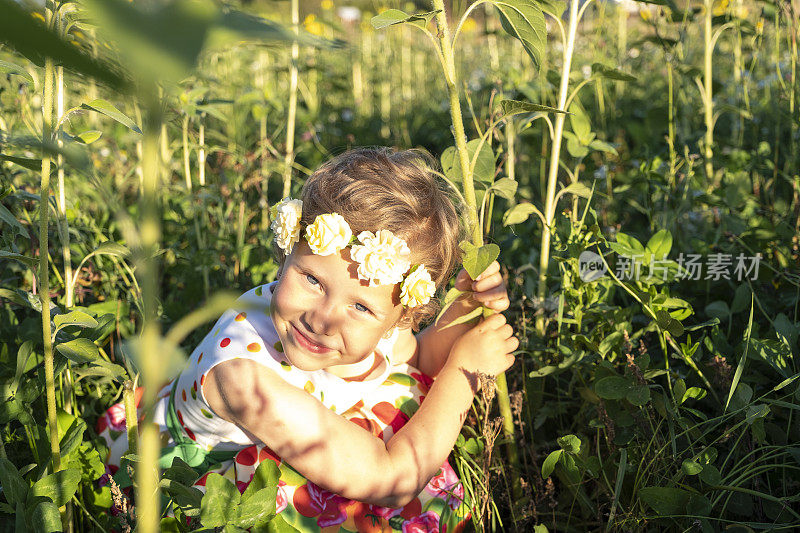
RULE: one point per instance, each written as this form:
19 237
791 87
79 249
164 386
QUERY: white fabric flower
418 288
383 258
286 223
328 234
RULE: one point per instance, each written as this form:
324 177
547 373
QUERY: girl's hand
485 348
488 290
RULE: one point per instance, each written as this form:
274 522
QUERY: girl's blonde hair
379 188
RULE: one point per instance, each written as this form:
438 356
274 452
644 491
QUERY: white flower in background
418 288
286 223
328 234
383 258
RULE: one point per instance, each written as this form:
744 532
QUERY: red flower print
446 486
311 500
423 380
367 424
115 417
391 415
281 500
427 522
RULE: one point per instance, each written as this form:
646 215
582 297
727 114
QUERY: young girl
319 371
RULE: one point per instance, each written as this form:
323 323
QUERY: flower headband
382 257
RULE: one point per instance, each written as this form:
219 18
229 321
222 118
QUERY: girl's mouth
307 343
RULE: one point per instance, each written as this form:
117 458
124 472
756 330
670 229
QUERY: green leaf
47 518
579 120
58 487
475 313
667 323
78 350
73 437
665 500
484 165
602 146
574 146
276 525
691 468
517 107
611 73
578 189
550 463
660 244
15 487
74 318
188 498
612 387
477 260
740 298
160 44
25 162
520 213
259 507
390 17
449 298
89 136
524 20
555 8
112 248
8 218
505 188
11 68
570 444
265 477
609 342
737 375
31 38
30 262
718 309
710 475
100 369
220 503
693 392
638 394
108 109
234 27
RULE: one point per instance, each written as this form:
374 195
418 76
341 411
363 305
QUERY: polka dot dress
381 405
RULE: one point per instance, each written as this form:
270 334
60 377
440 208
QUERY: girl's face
324 315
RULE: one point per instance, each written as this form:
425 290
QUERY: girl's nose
322 318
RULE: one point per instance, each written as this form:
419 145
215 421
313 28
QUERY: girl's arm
343 457
435 341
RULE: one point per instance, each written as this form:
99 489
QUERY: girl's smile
306 342
327 318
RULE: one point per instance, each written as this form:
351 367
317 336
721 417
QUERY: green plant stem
201 152
289 156
503 400
131 418
44 274
555 154
187 169
151 362
708 102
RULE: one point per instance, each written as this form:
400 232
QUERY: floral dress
381 405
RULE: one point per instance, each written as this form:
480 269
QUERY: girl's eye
362 308
311 279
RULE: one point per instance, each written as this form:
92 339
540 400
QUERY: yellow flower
326 4
328 234
418 288
382 257
286 223
312 26
469 26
